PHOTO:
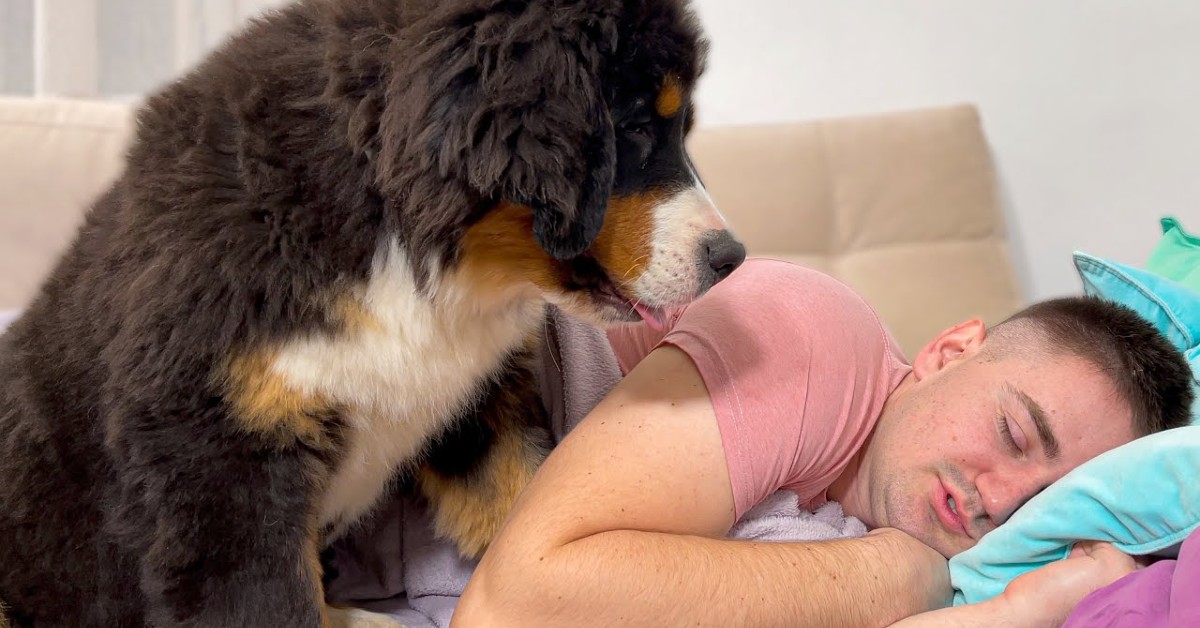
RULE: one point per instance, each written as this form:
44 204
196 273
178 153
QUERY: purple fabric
1165 594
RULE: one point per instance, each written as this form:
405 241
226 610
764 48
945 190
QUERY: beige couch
901 206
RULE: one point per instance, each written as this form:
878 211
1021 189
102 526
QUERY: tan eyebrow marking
670 97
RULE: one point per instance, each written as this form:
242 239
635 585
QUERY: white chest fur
403 376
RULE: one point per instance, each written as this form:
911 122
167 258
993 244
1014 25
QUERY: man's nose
1003 492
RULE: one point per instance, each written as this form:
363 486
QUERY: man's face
970 437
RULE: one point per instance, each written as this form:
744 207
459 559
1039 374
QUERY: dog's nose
720 255
725 254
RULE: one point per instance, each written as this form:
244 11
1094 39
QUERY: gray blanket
393 564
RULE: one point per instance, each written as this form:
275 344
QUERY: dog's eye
635 114
639 122
636 128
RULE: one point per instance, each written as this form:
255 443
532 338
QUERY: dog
324 266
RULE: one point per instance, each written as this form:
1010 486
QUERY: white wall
1092 107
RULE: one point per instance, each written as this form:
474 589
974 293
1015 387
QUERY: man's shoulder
759 272
782 302
772 286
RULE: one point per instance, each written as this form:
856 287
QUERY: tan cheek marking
625 242
264 404
500 253
670 98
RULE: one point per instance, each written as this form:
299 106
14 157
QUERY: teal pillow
1177 255
1142 496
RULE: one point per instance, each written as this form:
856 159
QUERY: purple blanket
1163 595
394 565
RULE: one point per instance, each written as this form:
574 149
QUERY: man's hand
1046 596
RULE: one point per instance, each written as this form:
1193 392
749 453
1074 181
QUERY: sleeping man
719 472
784 379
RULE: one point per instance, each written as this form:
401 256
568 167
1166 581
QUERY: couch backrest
901 206
56 156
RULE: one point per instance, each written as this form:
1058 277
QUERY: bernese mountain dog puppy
323 267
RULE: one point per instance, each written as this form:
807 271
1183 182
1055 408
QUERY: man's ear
948 347
508 100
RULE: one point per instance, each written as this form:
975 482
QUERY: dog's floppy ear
507 97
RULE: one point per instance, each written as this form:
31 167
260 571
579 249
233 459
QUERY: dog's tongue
653 317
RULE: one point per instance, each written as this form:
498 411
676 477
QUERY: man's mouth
948 512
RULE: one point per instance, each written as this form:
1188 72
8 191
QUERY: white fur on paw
358 618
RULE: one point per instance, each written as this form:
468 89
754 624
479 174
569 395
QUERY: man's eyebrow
1045 434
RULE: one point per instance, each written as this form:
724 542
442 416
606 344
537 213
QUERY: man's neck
851 489
847 489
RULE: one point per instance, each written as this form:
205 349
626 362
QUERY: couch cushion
57 156
902 206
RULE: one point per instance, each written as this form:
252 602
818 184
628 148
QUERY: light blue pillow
1142 497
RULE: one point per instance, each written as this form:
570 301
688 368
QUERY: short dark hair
1150 374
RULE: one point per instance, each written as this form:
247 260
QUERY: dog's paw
358 618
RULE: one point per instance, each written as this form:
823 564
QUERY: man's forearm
629 578
990 614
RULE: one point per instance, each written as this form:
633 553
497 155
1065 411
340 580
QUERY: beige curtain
111 49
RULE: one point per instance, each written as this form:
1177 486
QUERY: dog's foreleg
475 473
230 535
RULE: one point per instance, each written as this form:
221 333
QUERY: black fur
259 187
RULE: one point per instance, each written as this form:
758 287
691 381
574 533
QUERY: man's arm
623 525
